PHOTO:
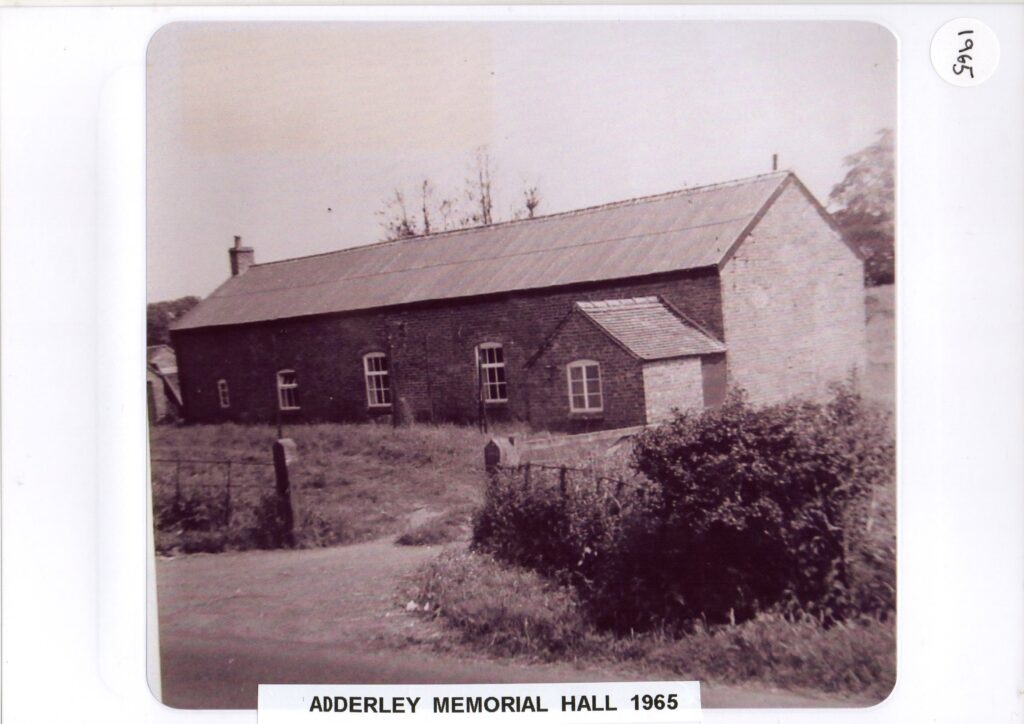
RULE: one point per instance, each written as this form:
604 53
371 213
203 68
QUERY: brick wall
432 352
674 383
622 382
793 304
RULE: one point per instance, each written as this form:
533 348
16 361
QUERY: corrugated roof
686 229
648 328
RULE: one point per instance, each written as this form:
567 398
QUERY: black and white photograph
523 352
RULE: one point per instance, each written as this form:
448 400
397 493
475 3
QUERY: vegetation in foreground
741 510
509 610
450 526
758 542
353 482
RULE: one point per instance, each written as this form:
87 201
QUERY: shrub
513 611
203 541
509 610
758 501
191 510
745 509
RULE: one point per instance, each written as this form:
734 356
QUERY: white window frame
372 397
223 394
583 365
482 369
287 392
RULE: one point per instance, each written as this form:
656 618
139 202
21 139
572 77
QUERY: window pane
579 402
593 386
575 373
378 388
577 387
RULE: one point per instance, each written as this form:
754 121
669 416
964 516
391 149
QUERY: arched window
378 380
490 366
585 386
287 390
223 395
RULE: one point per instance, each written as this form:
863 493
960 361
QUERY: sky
294 135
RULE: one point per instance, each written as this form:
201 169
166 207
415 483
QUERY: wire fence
216 489
566 479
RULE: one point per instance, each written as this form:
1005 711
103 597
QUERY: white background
72 285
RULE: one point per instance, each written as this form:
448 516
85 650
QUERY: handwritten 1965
962 60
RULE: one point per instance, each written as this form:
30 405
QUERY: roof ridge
648 299
557 215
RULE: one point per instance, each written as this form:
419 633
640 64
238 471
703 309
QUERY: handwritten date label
965 52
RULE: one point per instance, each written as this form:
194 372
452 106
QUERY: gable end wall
792 305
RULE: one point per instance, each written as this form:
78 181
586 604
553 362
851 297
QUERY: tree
474 206
159 316
865 203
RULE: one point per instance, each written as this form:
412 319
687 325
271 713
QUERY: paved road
233 620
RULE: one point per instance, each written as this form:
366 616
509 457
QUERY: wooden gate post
285 453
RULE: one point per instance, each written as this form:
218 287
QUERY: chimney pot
242 257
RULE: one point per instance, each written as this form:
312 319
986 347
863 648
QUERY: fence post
177 483
285 453
227 498
561 480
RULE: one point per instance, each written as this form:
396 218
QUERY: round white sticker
965 52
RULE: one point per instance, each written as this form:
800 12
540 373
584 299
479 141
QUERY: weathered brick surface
793 304
431 348
674 383
622 383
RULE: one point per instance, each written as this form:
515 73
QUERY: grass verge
506 610
447 527
353 482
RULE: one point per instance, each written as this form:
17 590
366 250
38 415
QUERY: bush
745 509
192 510
513 611
757 502
509 610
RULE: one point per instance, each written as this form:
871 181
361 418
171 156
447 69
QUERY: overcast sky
292 135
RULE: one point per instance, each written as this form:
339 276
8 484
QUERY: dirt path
233 620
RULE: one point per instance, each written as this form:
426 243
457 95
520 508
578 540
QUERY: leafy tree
159 316
865 203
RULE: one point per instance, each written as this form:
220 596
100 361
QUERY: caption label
667 701
965 52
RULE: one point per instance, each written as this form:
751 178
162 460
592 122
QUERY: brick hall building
604 317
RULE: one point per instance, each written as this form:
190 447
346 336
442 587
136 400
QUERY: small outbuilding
624 362
163 397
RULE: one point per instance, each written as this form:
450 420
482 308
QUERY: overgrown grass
353 482
856 657
444 528
504 609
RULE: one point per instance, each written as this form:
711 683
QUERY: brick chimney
242 257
